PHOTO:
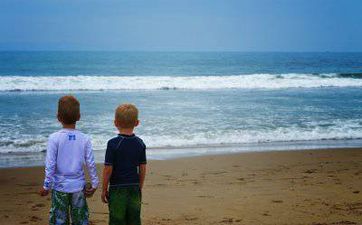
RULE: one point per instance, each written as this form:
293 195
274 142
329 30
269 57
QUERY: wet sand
316 187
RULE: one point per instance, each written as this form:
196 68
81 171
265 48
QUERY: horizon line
231 51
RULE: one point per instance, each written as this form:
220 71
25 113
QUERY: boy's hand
43 192
89 192
105 196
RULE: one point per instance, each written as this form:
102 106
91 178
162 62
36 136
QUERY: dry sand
289 187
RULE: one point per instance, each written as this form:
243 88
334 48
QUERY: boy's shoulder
140 141
114 139
54 136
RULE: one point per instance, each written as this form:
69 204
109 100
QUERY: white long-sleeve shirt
67 152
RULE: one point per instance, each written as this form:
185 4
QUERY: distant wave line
246 81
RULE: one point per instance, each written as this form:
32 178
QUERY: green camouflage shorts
64 204
124 206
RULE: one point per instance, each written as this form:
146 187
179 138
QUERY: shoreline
274 187
40 156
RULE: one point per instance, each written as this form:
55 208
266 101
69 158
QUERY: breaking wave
250 81
316 131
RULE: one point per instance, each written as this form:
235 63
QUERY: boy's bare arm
107 172
142 175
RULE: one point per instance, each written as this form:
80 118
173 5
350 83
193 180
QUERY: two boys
68 150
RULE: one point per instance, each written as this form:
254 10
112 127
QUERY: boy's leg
134 206
79 209
59 211
117 206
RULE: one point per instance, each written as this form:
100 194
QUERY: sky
181 25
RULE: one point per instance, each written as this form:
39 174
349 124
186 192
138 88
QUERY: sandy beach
286 187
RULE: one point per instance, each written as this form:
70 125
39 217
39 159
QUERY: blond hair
126 115
68 109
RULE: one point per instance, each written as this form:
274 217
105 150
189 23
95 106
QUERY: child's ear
58 117
137 123
115 123
78 117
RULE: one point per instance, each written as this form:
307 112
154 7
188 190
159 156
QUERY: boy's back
69 150
125 153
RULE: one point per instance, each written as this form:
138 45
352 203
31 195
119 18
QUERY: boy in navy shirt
124 169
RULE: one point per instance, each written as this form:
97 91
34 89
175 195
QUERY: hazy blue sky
232 25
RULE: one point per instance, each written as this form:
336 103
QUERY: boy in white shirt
67 152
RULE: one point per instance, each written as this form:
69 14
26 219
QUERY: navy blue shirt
125 153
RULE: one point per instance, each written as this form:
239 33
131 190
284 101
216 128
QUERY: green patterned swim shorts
124 206
65 204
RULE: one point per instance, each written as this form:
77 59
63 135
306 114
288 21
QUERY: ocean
191 103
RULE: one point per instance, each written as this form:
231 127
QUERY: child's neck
69 126
125 131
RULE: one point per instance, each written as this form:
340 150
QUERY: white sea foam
96 83
339 130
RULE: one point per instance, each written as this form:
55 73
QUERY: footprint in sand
206 196
310 171
191 218
344 222
37 206
184 174
35 219
228 220
195 182
28 185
